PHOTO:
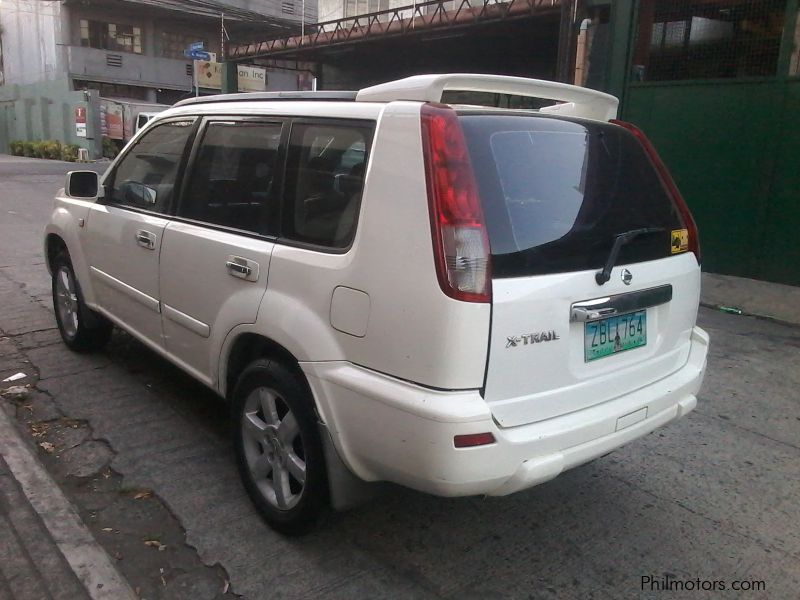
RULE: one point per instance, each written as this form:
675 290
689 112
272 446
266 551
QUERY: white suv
457 299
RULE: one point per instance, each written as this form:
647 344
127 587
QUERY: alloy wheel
273 448
66 301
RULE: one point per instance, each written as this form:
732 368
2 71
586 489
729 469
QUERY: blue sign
197 54
197 45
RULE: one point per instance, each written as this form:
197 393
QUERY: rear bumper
386 429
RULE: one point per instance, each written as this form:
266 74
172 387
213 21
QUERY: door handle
238 269
146 239
242 268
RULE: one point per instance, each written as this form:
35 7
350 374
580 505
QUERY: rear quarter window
556 193
324 181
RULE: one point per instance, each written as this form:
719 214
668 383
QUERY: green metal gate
730 138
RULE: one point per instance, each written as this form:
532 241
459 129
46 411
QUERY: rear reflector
473 439
669 184
460 241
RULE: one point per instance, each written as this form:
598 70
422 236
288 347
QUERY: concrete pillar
565 60
230 77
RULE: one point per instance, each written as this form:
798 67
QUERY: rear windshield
556 193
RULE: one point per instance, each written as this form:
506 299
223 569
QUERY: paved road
713 497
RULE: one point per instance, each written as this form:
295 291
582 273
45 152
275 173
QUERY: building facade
55 55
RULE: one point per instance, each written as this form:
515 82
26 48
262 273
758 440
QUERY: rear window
556 193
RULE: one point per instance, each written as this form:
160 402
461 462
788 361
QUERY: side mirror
138 194
82 184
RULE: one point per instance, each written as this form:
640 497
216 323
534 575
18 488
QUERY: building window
354 8
287 8
115 90
692 39
173 43
111 36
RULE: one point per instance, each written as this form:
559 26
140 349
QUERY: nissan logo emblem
627 277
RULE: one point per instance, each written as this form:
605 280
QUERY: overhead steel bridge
410 20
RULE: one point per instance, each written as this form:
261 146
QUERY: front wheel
82 329
278 448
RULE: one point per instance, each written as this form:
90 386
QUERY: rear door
216 253
556 195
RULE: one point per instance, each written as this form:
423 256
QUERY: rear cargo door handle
146 239
242 268
589 310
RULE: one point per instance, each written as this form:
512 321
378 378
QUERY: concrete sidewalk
758 298
46 551
31 565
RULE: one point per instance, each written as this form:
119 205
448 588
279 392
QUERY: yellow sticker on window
679 241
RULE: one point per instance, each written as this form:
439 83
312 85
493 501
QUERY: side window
147 174
234 175
324 179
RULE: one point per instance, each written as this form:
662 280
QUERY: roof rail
577 101
272 96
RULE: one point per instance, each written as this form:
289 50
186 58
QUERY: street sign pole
195 52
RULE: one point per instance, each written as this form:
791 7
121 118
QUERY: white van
457 299
142 119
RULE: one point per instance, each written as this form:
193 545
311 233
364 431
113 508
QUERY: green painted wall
732 149
45 111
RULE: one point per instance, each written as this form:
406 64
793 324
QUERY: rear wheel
82 329
278 448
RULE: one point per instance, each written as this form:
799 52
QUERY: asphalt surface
712 498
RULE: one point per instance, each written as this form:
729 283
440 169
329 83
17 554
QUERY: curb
90 563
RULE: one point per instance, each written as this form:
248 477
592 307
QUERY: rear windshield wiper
623 238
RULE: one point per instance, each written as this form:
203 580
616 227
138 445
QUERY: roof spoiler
575 101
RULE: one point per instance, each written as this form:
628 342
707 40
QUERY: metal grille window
111 36
702 39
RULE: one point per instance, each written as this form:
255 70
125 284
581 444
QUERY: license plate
613 335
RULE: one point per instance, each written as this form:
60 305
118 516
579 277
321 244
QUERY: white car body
398 368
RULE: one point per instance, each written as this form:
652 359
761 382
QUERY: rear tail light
460 242
669 184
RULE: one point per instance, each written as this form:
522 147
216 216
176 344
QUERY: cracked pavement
714 496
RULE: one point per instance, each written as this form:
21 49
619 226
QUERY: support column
565 60
623 28
230 77
788 58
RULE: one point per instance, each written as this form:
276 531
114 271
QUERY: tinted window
324 179
234 176
147 175
556 193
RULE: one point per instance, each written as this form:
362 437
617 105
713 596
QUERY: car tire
278 447
82 329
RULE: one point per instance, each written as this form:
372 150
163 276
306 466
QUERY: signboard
197 54
114 121
111 119
80 121
197 45
251 79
